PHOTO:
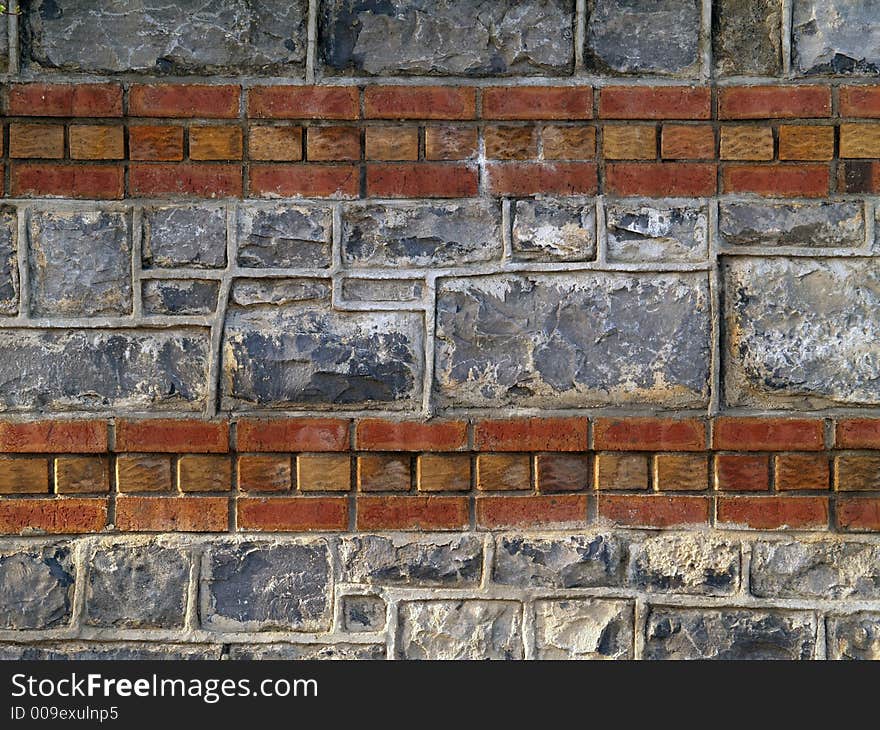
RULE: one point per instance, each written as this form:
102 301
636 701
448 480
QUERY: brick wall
449 329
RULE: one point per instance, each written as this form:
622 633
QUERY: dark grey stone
443 561
835 36
180 296
284 236
257 292
80 263
186 36
382 290
137 587
447 37
643 36
36 586
856 636
583 629
261 586
670 232
524 340
702 633
363 613
8 260
306 652
693 564
818 225
93 370
799 332
554 230
177 236
747 37
572 561
421 234
4 44
78 651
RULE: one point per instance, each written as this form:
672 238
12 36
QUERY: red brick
742 472
538 102
303 102
858 176
858 433
333 144
200 179
293 434
155 143
421 180
172 514
653 510
293 514
655 102
531 178
56 437
533 511
809 180
686 179
53 516
768 434
771 513
859 513
860 101
264 473
65 100
532 434
102 182
377 435
168 435
184 100
419 102
412 513
649 434
320 181
774 102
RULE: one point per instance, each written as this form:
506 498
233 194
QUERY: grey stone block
554 230
180 296
363 613
747 37
382 290
583 629
258 292
692 564
8 261
835 36
36 586
855 636
177 236
284 236
306 652
643 233
828 225
78 651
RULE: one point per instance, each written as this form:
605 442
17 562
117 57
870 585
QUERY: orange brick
65 100
510 143
538 102
649 434
655 102
293 514
498 472
392 143
275 143
412 513
24 475
198 473
653 510
801 472
215 143
170 435
419 102
303 102
184 100
36 140
772 513
568 143
444 473
621 471
143 473
383 473
323 472
630 142
681 472
806 180
533 511
562 472
857 472
450 143
155 143
768 434
329 144
742 472
856 140
318 181
660 179
172 514
293 434
687 142
774 102
746 143
421 180
806 143
263 473
97 142
537 178
67 437
82 474
531 434
374 434
53 516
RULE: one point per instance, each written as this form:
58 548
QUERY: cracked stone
178 296
8 261
825 225
36 587
657 233
583 629
690 564
554 230
185 236
835 36
285 236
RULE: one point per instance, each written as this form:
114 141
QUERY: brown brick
661 179
808 180
857 472
155 143
681 472
36 140
768 434
376 434
383 473
82 474
569 143
172 514
293 514
858 140
655 102
503 471
54 516
303 102
412 513
200 473
419 102
293 434
746 143
184 100
653 510
215 143
562 472
774 102
323 472
568 510
795 472
331 144
538 102
24 475
687 142
858 514
621 471
510 143
857 433
97 142
263 473
742 472
649 434
629 142
275 143
444 473
143 473
59 437
806 143
392 143
772 513
450 143
531 434
172 435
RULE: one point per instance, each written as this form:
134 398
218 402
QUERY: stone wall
551 324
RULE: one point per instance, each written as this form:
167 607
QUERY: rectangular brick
681 472
198 178
532 434
412 513
177 436
499 472
323 472
99 182
538 102
655 102
24 475
319 181
374 434
615 470
857 433
184 100
292 434
773 513
303 102
450 143
443 473
64 437
649 434
858 176
419 102
806 143
384 473
215 143
172 514
685 179
629 142
742 472
264 473
421 180
859 514
653 510
774 102
293 514
687 142
860 101
200 473
82 474
551 178
511 143
562 472
857 141
392 143
800 472
568 510
746 143
568 143
143 473
785 180
65 100
44 141
53 516
857 472
768 434
97 142
333 144
275 143
155 143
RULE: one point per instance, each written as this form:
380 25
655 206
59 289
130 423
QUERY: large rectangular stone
835 36
554 230
36 586
686 563
583 629
826 225
177 236
747 37
284 236
665 231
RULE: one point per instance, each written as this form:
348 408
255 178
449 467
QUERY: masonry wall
452 329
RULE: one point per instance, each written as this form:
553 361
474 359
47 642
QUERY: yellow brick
503 471
860 140
806 143
629 142
444 472
746 143
323 472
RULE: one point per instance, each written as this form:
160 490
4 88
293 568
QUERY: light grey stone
284 236
469 629
747 37
36 586
257 292
363 613
306 652
180 296
94 370
583 629
79 651
526 340
676 233
80 263
554 230
8 260
447 37
835 36
800 333
683 563
189 235
382 290
856 636
828 225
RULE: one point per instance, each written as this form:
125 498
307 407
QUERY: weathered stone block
643 36
184 236
747 37
421 234
187 36
36 586
674 232
80 263
382 290
835 36
523 340
89 370
820 225
856 636
583 629
8 258
554 230
447 561
306 652
799 332
469 629
575 561
288 236
261 586
694 564
698 633
137 587
256 292
180 296
447 37
363 613
4 44
77 651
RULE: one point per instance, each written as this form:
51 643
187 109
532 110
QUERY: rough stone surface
800 333
747 37
421 234
685 633
792 224
188 36
255 292
80 263
835 36
306 652
284 236
176 296
95 370
137 586
447 37
573 561
114 651
856 636
261 586
36 586
554 230
4 44
469 629
583 629
363 613
177 236
442 561
686 564
652 233
382 290
643 36
512 340
8 260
